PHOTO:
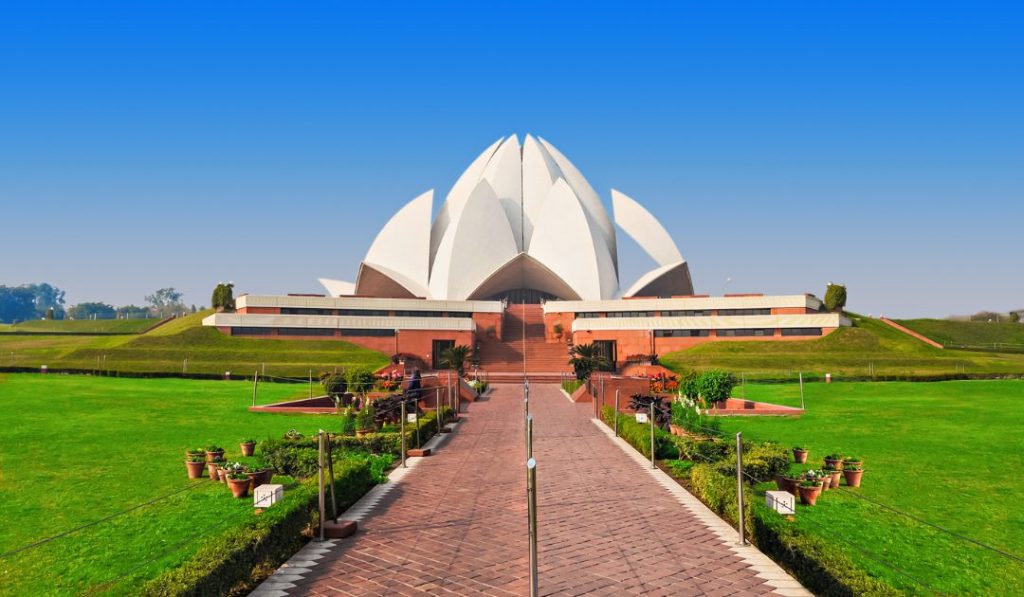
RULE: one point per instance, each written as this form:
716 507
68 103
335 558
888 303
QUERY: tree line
45 301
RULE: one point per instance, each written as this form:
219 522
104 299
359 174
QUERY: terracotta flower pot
675 429
790 485
211 456
853 477
780 482
212 468
248 448
834 478
255 479
195 469
222 475
800 456
268 476
239 487
836 464
809 495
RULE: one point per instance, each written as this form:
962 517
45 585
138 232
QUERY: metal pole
801 391
531 495
418 424
529 436
437 408
652 436
739 486
448 389
255 382
330 486
743 385
320 470
616 413
403 431
310 383
526 395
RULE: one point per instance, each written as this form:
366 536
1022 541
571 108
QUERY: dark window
352 332
304 311
680 333
801 331
418 314
750 332
250 331
363 312
689 313
628 314
744 311
305 332
466 314
588 315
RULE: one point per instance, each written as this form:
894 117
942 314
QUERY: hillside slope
976 335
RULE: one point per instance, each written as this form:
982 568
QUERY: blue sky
784 145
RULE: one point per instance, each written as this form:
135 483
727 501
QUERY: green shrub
688 385
715 385
639 435
366 419
571 385
360 380
835 297
701 450
686 415
234 561
334 384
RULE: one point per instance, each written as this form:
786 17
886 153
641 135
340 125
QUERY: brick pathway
457 522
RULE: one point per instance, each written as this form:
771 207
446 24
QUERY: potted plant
239 482
366 420
195 463
213 466
799 455
809 492
248 447
853 460
832 476
853 473
195 452
214 453
834 461
257 472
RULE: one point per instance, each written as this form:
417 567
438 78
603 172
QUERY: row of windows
750 332
370 312
736 333
801 331
256 331
680 333
683 313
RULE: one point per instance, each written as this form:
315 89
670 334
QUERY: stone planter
853 477
239 487
195 469
248 448
799 456
809 495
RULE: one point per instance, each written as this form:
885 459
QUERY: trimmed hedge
233 562
639 435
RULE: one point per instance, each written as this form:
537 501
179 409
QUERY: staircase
523 335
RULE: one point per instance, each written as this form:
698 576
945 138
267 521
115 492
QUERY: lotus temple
520 263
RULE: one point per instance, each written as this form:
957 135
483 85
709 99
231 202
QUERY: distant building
521 260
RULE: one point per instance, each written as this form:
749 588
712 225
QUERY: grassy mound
166 348
99 326
870 347
976 335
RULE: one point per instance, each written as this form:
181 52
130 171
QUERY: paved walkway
456 523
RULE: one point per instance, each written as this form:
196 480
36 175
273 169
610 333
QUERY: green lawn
74 449
856 351
975 334
85 326
166 348
949 453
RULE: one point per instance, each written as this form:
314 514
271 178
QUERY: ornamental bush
835 297
715 386
360 380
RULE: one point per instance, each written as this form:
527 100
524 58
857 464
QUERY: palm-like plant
585 359
455 357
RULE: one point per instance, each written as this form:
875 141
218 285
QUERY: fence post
310 383
653 465
529 437
437 408
739 486
320 472
330 478
531 501
255 382
616 413
403 430
802 391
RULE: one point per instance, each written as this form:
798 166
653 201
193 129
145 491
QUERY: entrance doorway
439 346
607 349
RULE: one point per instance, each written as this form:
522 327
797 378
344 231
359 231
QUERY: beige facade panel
686 304
738 322
356 302
335 322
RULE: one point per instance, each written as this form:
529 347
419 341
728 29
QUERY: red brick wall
259 310
550 319
488 320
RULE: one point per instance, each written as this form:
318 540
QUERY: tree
132 312
166 302
223 297
715 386
91 311
585 359
334 384
1015 316
47 297
835 297
455 357
30 301
360 380
49 313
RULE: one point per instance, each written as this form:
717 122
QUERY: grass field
871 346
78 448
164 349
85 326
948 453
976 334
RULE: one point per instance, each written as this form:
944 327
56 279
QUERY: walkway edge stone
307 558
771 572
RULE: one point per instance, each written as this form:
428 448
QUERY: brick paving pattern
457 523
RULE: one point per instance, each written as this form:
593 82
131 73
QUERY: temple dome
520 217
